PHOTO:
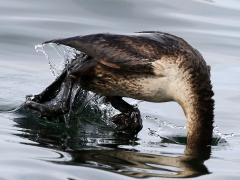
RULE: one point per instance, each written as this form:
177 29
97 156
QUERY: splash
169 132
59 57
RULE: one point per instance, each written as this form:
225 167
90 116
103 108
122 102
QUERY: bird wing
134 53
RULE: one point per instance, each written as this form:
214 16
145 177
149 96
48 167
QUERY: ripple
229 4
87 146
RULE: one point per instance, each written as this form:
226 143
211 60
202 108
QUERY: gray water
86 147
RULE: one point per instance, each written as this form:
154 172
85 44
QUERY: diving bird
150 66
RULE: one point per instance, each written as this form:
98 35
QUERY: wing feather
133 53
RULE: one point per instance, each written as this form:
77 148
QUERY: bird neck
199 126
198 107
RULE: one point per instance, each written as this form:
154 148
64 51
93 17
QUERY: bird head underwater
150 66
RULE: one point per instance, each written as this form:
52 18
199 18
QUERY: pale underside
163 86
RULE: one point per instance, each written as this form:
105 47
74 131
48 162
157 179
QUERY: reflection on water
91 142
140 165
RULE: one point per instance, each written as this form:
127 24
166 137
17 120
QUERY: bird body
151 66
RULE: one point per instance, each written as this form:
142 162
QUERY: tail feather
75 42
66 41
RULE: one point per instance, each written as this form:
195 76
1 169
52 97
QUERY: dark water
87 147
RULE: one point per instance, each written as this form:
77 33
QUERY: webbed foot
55 99
56 105
46 110
129 123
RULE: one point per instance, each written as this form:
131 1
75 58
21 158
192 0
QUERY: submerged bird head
193 91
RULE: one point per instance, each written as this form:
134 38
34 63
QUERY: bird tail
72 41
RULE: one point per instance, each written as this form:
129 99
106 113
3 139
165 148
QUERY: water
87 147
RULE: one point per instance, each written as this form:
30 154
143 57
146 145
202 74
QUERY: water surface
87 147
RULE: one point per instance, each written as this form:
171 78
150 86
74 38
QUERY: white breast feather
168 85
